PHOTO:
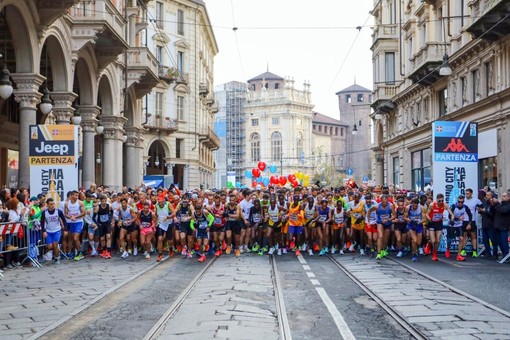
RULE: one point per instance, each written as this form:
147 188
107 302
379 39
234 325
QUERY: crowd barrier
20 242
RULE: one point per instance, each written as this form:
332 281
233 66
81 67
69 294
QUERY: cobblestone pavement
437 311
32 299
233 300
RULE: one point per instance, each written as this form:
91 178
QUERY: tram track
283 321
409 327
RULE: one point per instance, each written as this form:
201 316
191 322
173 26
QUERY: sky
313 40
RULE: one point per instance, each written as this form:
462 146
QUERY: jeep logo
55 149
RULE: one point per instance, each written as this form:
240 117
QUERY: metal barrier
17 240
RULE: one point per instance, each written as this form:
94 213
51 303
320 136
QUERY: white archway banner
53 159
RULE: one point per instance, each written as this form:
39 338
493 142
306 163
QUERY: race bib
322 218
385 217
202 225
217 220
146 224
437 217
103 218
293 217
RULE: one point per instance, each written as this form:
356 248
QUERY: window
443 102
253 87
326 130
360 98
393 13
421 162
396 170
341 132
275 120
347 98
180 22
276 86
179 148
255 147
180 61
159 54
423 34
463 88
180 108
255 122
475 84
336 131
389 68
320 128
159 104
276 146
299 146
160 10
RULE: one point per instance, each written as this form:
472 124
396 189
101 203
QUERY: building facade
278 125
95 59
354 106
412 42
179 138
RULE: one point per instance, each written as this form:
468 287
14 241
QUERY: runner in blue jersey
415 217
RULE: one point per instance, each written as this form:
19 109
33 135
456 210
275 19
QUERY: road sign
349 172
365 179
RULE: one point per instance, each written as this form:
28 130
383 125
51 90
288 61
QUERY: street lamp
98 158
354 130
5 82
445 69
124 138
46 105
99 129
76 118
156 161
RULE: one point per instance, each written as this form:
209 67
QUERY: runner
165 214
233 214
202 222
371 224
74 211
127 218
52 223
284 209
246 231
415 217
435 214
310 217
273 232
357 214
92 230
462 218
218 228
337 216
385 214
475 205
184 213
146 222
323 218
103 213
295 216
256 220
400 226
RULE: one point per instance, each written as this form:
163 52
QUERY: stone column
112 161
28 96
133 175
379 168
63 106
88 124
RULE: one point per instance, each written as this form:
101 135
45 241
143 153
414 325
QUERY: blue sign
349 172
365 179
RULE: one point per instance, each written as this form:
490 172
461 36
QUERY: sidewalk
32 299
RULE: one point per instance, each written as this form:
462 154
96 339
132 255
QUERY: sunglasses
440 201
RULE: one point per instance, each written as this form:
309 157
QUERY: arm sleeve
210 218
61 215
470 215
43 225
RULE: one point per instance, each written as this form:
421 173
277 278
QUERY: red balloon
261 166
273 179
294 184
255 172
291 177
283 180
253 183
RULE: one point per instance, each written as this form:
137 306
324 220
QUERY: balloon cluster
256 174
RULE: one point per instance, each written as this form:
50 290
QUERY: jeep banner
53 159
455 158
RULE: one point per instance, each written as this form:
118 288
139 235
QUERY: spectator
502 221
487 212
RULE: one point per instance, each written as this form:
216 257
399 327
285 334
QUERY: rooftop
354 88
319 118
267 76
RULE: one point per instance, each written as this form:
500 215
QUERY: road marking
315 282
306 267
337 317
310 274
301 259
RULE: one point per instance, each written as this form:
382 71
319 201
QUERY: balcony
101 23
143 70
209 138
157 123
493 22
51 10
425 64
168 74
383 93
203 89
182 78
385 32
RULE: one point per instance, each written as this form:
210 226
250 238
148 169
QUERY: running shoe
351 248
475 253
238 252
218 253
228 249
333 250
79 257
207 247
379 256
304 247
159 258
223 245
447 253
293 243
384 252
261 252
130 251
415 258
310 252
284 250
279 253
322 252
184 251
427 249
196 247
56 261
264 249
400 254
298 252
341 252
172 252
362 252
241 249
124 254
190 255
201 258
179 248
348 245
255 247
434 257
316 247
462 252
94 253
420 251
135 251
460 258
271 251
103 254
108 255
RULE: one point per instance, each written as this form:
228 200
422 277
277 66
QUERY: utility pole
281 164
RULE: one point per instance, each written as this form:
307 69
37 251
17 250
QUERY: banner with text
53 159
455 160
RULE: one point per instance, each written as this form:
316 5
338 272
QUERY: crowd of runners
316 221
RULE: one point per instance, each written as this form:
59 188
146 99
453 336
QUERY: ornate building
94 57
179 136
412 42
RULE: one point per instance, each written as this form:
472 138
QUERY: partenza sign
53 160
455 161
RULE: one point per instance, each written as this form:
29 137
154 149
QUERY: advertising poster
454 163
53 159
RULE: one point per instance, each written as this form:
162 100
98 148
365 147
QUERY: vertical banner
454 164
455 161
53 159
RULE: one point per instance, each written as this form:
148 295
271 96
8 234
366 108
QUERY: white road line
310 274
315 282
306 267
301 259
337 317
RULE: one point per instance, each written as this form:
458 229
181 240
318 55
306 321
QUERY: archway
156 163
105 103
